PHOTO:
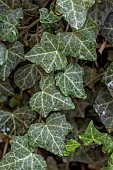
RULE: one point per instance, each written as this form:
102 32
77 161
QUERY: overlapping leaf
5 88
8 22
7 5
26 76
104 107
71 81
49 98
81 43
49 53
22 157
12 57
50 135
75 12
107 29
13 123
47 17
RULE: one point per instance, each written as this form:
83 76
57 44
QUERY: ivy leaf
70 147
110 163
13 56
71 81
6 89
92 135
81 44
104 107
26 76
47 17
75 12
50 135
108 78
2 53
49 98
8 5
21 156
107 29
8 22
15 123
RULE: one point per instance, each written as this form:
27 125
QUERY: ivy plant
50 71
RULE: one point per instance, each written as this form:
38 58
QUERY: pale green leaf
6 89
104 107
74 11
15 123
50 135
8 22
25 77
70 81
47 17
70 147
21 157
49 98
92 135
49 53
82 43
7 5
13 56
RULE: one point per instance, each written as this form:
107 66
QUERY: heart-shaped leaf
71 81
50 135
49 98
75 12
21 156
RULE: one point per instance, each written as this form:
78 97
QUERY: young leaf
49 53
6 89
71 81
7 5
15 123
108 78
13 56
70 147
107 29
75 12
81 43
8 22
92 135
49 98
47 17
21 156
104 107
26 76
50 136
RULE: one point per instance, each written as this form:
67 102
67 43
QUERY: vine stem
103 46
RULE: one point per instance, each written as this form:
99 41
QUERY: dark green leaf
9 4
49 98
6 89
50 136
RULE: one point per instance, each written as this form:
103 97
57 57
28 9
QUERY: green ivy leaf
108 78
47 17
21 157
107 29
49 53
49 98
3 99
71 81
75 12
12 57
8 22
50 135
3 50
82 43
7 5
26 76
15 123
92 135
110 163
70 147
104 107
6 89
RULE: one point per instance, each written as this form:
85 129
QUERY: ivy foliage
44 83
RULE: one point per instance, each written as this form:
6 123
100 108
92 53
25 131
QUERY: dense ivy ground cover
56 83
